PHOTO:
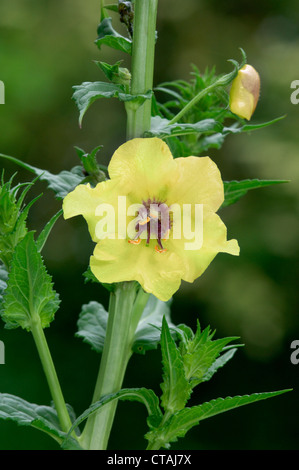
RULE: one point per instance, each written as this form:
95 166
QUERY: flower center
153 222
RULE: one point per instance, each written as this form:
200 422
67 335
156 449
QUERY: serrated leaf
175 386
92 324
200 352
61 183
43 236
88 92
29 294
234 190
23 413
180 423
142 395
218 363
109 37
161 128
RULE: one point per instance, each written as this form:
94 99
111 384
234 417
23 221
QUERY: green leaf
175 386
29 294
200 352
148 332
43 236
109 37
236 129
88 92
93 319
178 425
23 413
234 190
12 217
142 395
160 127
218 363
92 324
61 183
96 172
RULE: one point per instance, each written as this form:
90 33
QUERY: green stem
143 55
191 103
221 81
50 372
124 315
125 307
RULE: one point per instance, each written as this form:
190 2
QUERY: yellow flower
245 91
165 202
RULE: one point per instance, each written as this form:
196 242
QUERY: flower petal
146 165
84 200
118 261
214 241
199 182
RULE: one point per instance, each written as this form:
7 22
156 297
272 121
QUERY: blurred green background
46 47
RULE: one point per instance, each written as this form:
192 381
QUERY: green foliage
61 183
41 417
180 423
211 104
234 190
88 92
199 353
43 236
141 395
148 332
93 318
115 73
162 128
12 218
95 172
29 296
92 324
109 37
24 413
196 358
175 386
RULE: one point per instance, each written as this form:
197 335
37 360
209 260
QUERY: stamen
160 250
143 222
135 242
154 219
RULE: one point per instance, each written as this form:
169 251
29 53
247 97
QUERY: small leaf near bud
244 93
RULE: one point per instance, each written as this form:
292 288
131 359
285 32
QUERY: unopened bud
122 76
244 93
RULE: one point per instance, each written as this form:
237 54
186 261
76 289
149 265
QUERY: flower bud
244 93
